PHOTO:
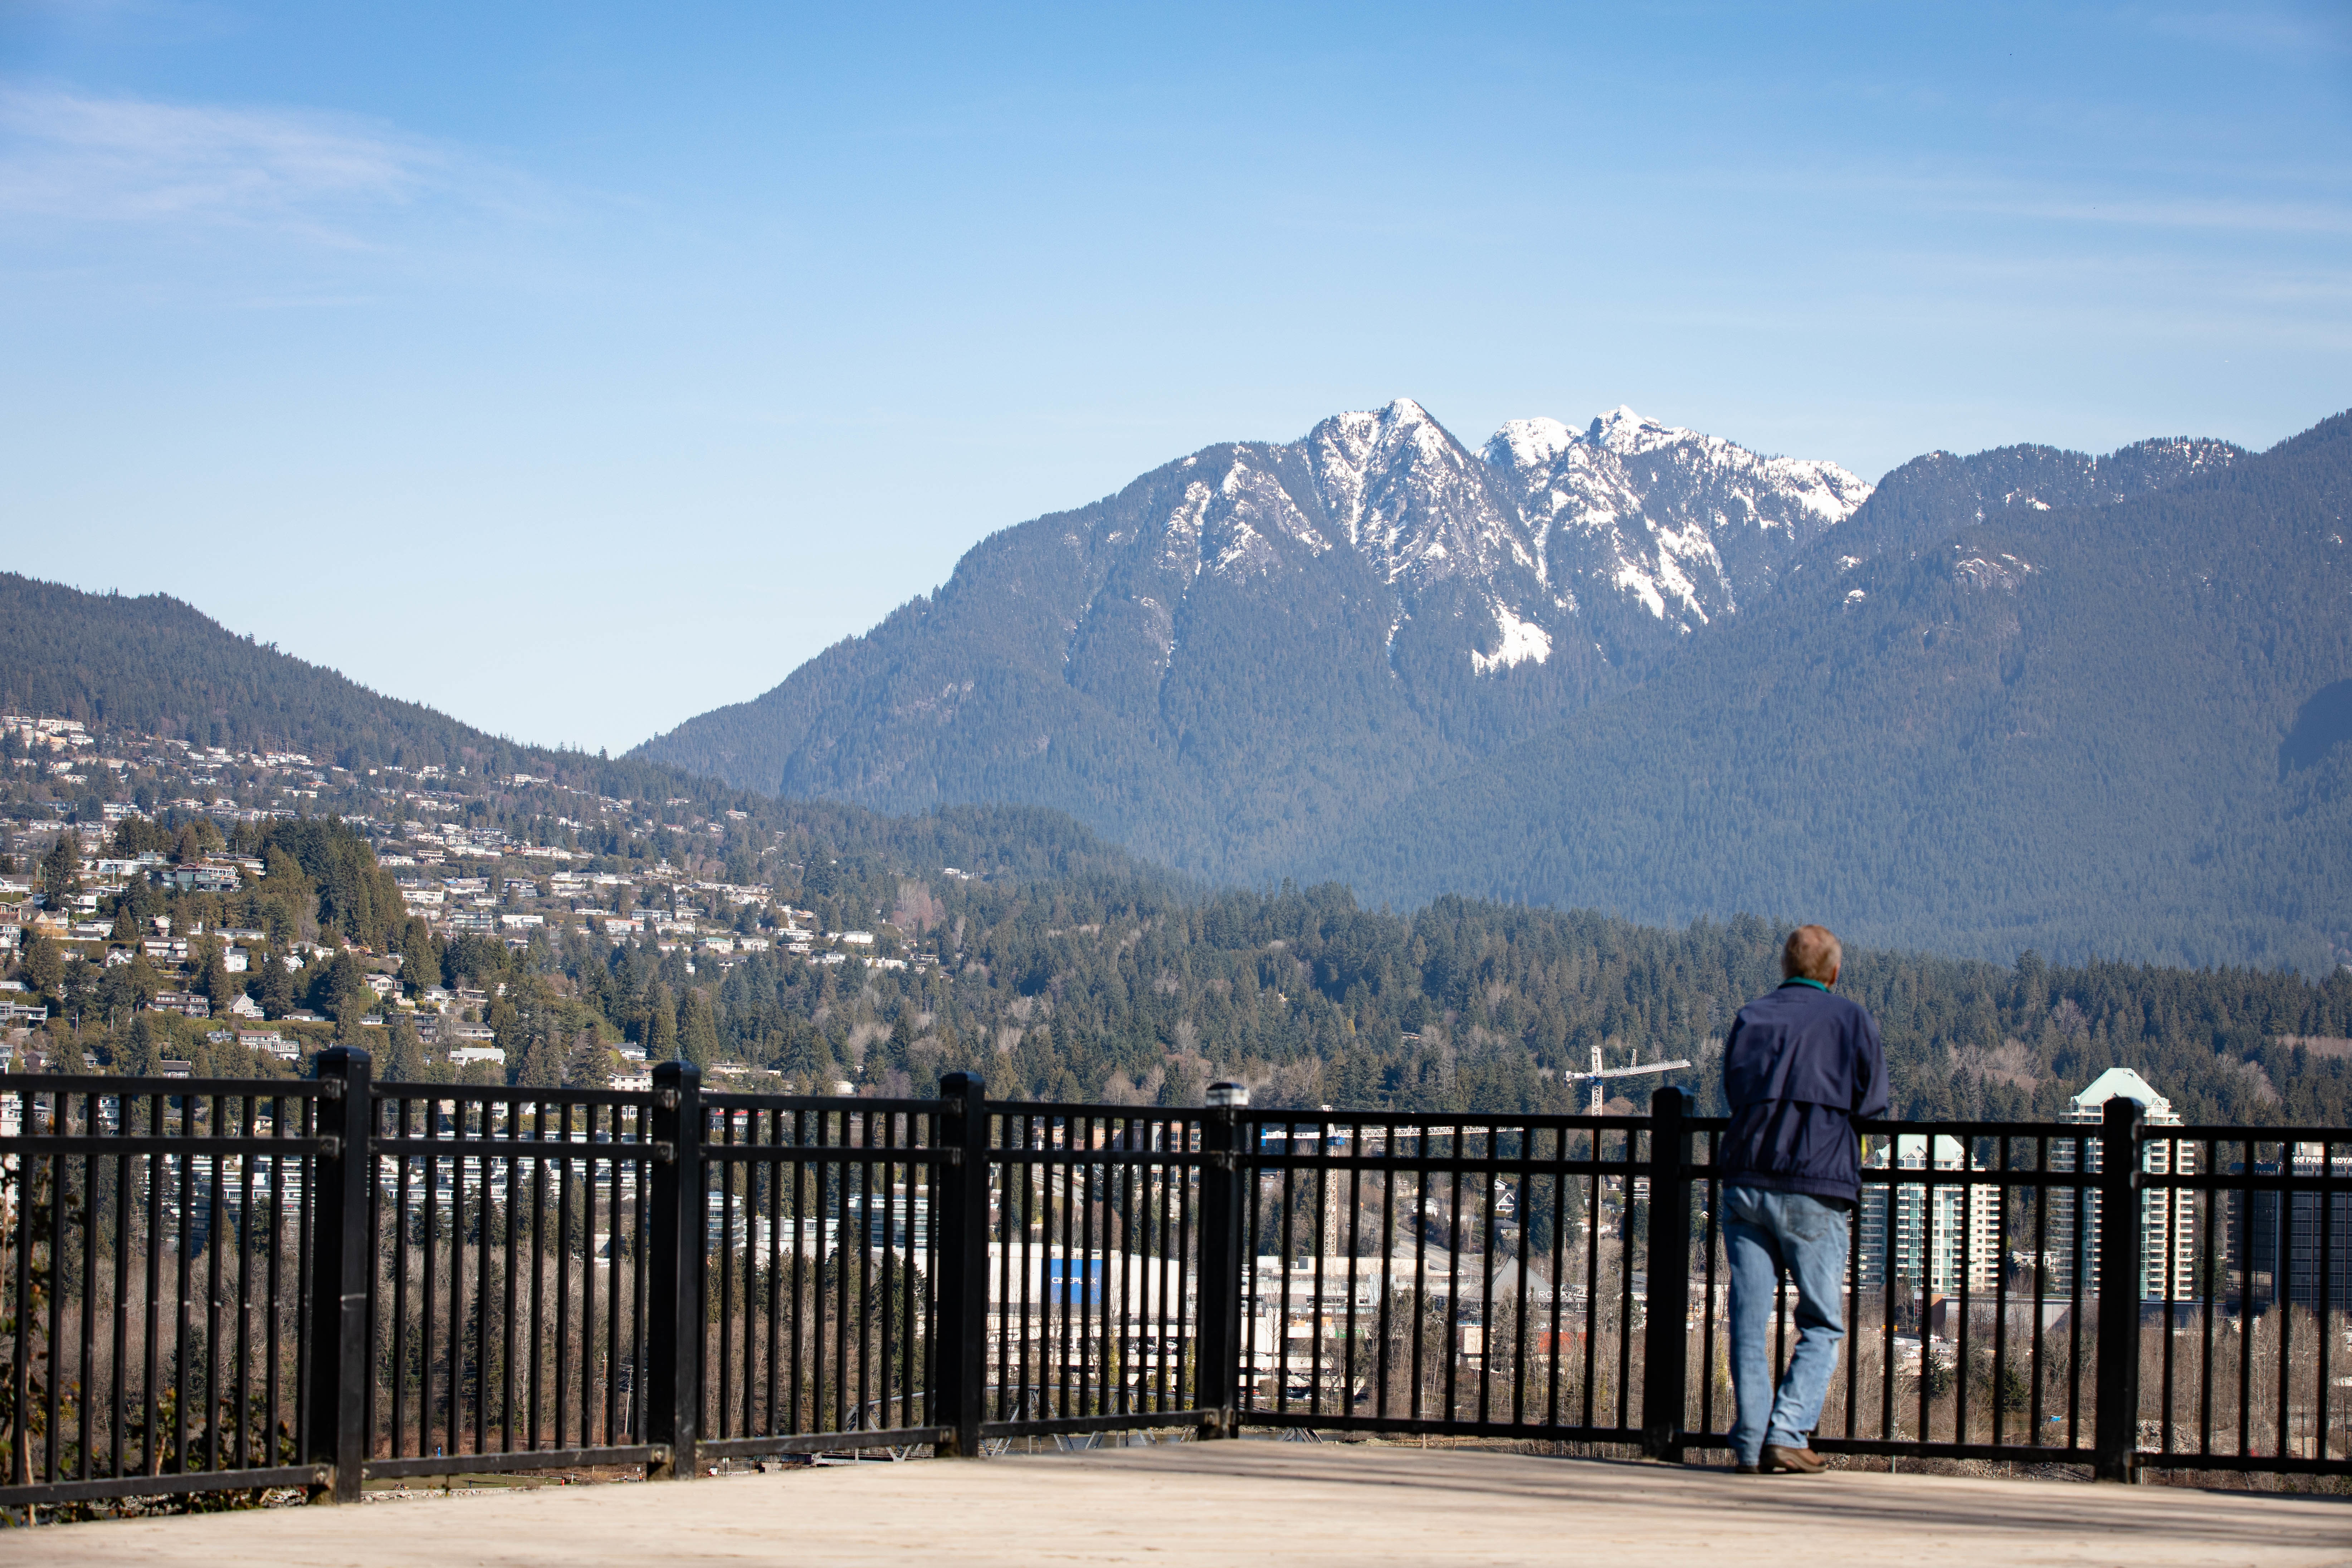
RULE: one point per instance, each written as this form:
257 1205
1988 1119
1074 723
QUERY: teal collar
1800 980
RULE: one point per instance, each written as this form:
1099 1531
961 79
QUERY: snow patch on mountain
1522 642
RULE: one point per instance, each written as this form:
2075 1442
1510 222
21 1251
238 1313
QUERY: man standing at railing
1799 1067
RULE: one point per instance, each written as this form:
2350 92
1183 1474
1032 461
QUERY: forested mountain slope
1237 660
159 667
1246 650
2114 728
156 665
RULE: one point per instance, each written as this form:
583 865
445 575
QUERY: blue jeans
1768 1234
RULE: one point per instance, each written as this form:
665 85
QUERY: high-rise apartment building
2167 1218
1931 1235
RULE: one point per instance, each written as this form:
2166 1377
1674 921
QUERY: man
1799 1066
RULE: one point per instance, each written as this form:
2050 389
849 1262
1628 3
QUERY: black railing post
1217 1346
676 1219
2117 1426
335 1408
960 1370
1665 1340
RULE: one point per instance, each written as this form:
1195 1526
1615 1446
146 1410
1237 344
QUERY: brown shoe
1779 1461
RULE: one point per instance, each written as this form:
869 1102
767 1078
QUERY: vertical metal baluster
801 1356
1288 1249
1592 1283
2171 1200
1714 1192
1058 1303
1631 1156
397 1112
1004 1351
1527 1142
1033 1177
1455 1151
2040 1190
116 1390
775 1274
866 1339
91 1205
2209 1206
718 1403
841 1169
246 1131
886 1281
374 1168
2320 1329
536 1370
1492 1180
1093 1293
304 1274
183 1310
2079 1240
2246 1296
1960 1254
562 1250
474 1242
1322 1178
429 1299
60 1116
588 1360
1250 1181
1927 1277
1996 1394
151 1458
2282 1293
1558 1267
278 1107
1355 1245
20 1449
510 1304
1185 1249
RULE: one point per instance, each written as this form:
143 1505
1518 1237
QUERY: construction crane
1599 1072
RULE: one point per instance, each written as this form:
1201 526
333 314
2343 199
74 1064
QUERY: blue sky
577 368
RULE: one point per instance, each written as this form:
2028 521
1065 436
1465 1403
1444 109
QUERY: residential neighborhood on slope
88 873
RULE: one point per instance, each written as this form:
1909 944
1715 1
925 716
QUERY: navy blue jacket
1798 1067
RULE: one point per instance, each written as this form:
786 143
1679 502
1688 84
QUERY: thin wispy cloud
66 157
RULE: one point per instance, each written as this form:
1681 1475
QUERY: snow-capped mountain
1688 525
1247 645
1544 524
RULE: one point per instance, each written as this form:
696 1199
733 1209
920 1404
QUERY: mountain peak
1623 431
1525 444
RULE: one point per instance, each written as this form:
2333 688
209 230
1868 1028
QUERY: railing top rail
2012 1131
507 1094
844 1104
1448 1123
143 1088
1081 1111
2205 1134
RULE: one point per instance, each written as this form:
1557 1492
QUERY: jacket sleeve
1869 1072
1730 1048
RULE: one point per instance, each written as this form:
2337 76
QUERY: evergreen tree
140 1048
61 870
44 967
661 1026
698 1029
403 1055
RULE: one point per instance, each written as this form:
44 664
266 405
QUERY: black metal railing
231 1285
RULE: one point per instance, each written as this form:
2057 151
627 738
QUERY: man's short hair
1810 953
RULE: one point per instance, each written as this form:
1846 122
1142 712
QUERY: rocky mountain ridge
1150 661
